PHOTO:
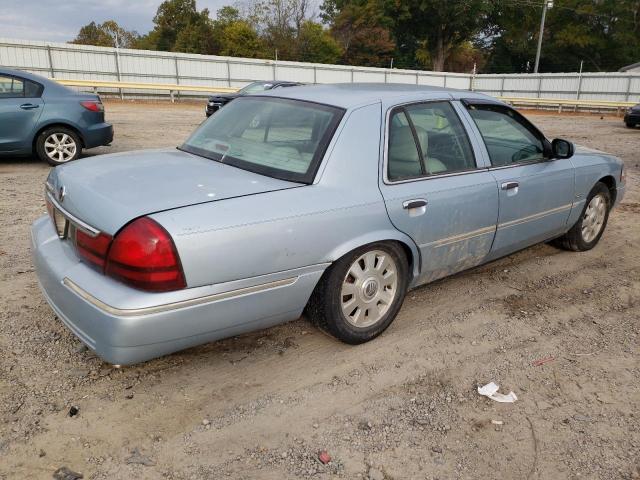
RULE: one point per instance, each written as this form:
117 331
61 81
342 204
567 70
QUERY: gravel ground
404 406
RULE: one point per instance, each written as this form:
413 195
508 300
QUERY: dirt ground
405 406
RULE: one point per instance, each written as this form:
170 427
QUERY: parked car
216 102
332 199
632 117
40 116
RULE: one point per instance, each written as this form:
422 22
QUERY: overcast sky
60 20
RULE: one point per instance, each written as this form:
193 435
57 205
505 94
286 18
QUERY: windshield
255 87
277 137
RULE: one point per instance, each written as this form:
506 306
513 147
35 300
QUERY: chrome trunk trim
88 229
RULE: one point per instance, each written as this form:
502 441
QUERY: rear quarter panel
283 230
66 110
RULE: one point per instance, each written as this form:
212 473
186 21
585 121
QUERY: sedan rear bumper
98 135
125 326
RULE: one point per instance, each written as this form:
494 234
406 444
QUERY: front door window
508 137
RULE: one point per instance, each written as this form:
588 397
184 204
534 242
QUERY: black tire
41 149
324 307
630 124
574 240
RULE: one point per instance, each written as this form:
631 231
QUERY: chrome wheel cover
593 219
60 147
369 288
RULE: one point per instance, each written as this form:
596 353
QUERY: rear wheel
58 145
360 295
586 232
630 125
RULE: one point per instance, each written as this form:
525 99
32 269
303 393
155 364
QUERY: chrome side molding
136 312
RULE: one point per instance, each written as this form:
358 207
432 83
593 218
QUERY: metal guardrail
567 102
172 88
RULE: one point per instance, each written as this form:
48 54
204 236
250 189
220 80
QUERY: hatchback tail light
93 106
144 256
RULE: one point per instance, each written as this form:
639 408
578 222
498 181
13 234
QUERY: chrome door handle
509 185
28 106
417 203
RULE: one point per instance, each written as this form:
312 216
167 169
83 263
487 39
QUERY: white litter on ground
490 390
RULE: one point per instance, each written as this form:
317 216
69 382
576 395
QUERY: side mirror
562 148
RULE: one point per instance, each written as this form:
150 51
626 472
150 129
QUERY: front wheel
586 232
58 145
359 296
630 125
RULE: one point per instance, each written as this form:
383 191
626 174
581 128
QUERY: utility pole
547 5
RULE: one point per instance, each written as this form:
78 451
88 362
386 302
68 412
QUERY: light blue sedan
332 200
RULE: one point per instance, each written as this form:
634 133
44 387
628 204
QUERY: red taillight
93 249
143 255
93 106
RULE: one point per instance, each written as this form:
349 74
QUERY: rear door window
13 87
427 139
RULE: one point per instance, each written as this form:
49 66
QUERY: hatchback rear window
277 137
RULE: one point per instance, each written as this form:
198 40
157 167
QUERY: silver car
332 200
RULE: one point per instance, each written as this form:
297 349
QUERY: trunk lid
108 191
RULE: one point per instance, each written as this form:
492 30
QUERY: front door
20 109
435 191
536 193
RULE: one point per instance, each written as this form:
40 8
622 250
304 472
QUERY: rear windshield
277 137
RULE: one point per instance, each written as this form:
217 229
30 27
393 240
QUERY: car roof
275 82
51 86
24 74
347 95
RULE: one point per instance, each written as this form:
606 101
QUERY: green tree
106 34
240 39
279 23
605 34
363 30
437 26
180 27
227 15
197 36
315 44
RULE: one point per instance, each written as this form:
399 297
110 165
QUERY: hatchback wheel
58 145
361 294
586 232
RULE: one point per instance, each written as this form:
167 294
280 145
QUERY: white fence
65 61
615 87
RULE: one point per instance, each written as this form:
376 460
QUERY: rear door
20 108
536 193
436 189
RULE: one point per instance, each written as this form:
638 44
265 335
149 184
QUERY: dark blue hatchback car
41 116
